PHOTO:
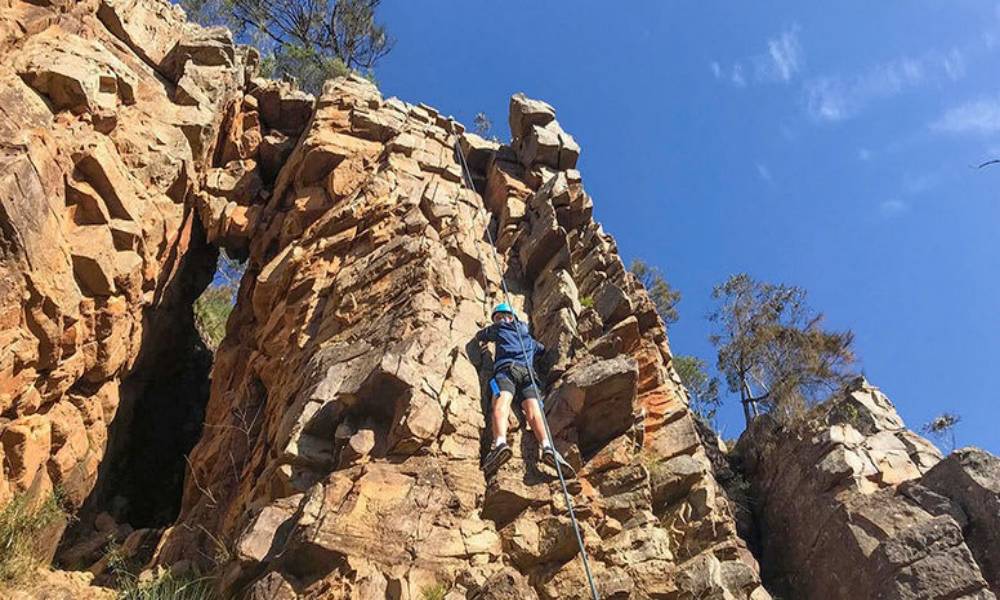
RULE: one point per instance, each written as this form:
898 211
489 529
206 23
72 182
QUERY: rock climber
515 350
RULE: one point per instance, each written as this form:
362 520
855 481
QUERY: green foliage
769 340
309 67
740 493
309 40
433 592
650 459
21 523
587 302
211 311
663 296
210 13
851 414
702 389
213 307
942 429
164 586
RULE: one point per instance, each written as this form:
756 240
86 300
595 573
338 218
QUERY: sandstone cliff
851 504
105 135
345 426
336 451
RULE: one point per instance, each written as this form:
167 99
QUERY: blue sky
823 147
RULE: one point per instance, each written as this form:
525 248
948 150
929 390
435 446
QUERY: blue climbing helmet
503 307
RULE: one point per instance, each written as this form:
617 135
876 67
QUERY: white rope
467 177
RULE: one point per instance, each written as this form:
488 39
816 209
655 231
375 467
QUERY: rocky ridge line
851 504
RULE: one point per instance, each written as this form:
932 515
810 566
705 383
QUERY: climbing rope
467 178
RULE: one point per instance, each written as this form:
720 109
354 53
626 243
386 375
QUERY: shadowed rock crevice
159 419
162 406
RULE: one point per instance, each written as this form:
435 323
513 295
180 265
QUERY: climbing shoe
497 457
550 456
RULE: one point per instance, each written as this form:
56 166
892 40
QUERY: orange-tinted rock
27 443
371 277
346 410
92 200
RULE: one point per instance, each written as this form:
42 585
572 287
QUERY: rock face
343 428
101 252
347 430
850 504
122 127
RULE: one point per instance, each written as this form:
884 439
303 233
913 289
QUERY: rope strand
467 177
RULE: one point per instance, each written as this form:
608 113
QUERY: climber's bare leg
501 414
533 415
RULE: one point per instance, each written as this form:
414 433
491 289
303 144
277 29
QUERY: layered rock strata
101 253
851 504
345 427
123 130
344 430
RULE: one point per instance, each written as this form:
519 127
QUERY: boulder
94 263
545 242
200 46
271 587
151 28
282 108
598 399
971 479
477 151
506 584
238 181
530 541
76 74
526 112
27 443
672 479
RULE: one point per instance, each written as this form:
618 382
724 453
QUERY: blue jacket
508 347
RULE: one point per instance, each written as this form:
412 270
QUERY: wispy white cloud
978 117
989 40
892 208
736 77
784 56
954 64
733 74
779 63
835 98
763 172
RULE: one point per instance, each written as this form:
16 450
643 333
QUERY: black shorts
514 379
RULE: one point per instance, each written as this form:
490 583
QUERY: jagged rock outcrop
346 417
851 504
118 121
100 250
344 429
